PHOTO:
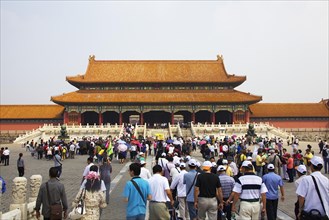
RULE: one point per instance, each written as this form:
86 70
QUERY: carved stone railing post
19 196
35 183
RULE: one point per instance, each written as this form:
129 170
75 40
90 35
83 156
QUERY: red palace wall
20 126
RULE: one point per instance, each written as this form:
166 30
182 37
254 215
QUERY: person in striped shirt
250 189
227 183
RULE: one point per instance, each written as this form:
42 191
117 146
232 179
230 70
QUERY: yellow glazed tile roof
156 71
156 96
31 111
289 110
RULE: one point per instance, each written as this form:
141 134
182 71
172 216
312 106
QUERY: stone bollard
19 196
35 183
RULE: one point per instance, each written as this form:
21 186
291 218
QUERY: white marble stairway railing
20 207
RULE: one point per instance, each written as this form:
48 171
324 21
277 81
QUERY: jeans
291 175
136 217
326 165
271 209
192 211
59 171
107 192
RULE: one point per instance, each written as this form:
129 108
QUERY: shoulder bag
56 210
315 214
80 209
189 190
139 190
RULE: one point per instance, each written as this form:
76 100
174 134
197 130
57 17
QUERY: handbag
80 209
56 210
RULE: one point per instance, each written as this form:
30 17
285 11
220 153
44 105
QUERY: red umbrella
136 142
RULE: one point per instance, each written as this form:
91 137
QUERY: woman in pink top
290 167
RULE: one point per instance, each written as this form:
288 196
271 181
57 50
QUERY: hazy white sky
281 46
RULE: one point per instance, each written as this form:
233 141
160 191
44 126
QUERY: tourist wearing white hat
145 173
313 191
189 180
301 173
272 182
227 183
228 169
250 196
207 192
178 181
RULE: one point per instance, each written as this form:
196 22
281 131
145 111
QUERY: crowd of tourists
232 172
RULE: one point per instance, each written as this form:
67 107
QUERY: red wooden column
120 118
141 120
100 118
79 118
66 117
233 117
172 118
193 117
213 117
247 116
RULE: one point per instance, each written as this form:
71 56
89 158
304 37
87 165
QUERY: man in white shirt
72 150
160 195
6 153
90 161
175 170
308 197
181 191
145 173
301 173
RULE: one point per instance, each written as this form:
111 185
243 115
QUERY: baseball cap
225 161
221 168
143 162
302 169
246 163
316 161
214 164
188 157
206 165
220 153
249 158
163 154
198 164
141 153
182 165
270 166
192 162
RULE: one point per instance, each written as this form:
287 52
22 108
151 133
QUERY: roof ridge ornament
220 57
91 58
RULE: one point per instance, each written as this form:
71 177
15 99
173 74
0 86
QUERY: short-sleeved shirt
272 181
159 184
188 180
136 204
249 186
208 184
307 190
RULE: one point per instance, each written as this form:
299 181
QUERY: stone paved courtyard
72 174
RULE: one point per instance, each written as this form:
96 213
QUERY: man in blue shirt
189 180
136 195
272 182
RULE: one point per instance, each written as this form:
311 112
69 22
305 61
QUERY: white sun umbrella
121 142
122 147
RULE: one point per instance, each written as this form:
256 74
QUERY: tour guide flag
160 136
